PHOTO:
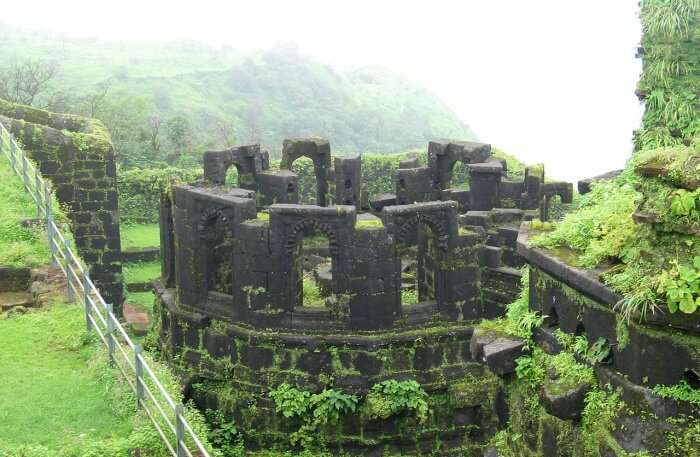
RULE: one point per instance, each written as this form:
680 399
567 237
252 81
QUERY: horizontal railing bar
97 330
184 447
126 376
194 437
126 356
127 340
154 400
160 431
96 312
155 380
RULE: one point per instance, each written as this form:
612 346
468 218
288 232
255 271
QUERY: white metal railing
167 416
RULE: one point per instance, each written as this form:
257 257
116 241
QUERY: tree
155 123
94 102
226 130
23 82
178 133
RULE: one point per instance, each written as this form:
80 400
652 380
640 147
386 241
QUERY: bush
140 189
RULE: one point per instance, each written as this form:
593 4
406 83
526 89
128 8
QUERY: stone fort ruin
235 262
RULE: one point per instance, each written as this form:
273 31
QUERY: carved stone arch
209 223
297 232
435 224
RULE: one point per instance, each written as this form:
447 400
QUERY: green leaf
688 305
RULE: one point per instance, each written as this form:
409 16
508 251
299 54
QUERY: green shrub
140 189
392 397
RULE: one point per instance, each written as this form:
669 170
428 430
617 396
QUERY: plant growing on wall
392 397
324 408
681 286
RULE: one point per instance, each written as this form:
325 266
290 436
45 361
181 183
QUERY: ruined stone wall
76 155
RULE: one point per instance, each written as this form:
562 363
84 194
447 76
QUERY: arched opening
232 176
580 330
418 253
556 209
314 269
308 185
459 177
348 192
219 271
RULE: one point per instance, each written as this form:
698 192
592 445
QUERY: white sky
547 80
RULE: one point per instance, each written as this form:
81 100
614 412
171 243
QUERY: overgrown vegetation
20 246
651 262
519 320
392 397
315 410
681 391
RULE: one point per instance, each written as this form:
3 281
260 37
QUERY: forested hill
163 101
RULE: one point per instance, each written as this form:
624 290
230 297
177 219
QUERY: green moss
474 390
677 165
263 216
622 333
368 224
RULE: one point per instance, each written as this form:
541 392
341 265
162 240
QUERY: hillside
203 97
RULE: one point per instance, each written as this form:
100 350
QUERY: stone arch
248 160
437 226
316 149
297 232
212 229
208 224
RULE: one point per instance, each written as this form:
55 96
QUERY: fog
548 81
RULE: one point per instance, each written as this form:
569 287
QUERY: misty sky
546 80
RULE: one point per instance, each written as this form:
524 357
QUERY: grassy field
142 300
19 246
140 236
53 392
141 272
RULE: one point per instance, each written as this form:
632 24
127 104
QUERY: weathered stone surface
14 279
76 154
480 338
500 354
563 402
9 300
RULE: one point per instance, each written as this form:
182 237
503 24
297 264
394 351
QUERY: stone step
9 300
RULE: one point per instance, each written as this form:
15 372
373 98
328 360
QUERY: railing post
110 332
25 172
13 158
69 274
86 300
180 431
139 374
37 191
49 225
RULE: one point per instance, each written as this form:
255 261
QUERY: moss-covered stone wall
233 369
77 156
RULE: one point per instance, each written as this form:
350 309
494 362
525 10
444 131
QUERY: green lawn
54 391
140 236
19 246
141 271
142 300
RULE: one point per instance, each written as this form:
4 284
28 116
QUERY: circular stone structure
233 309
